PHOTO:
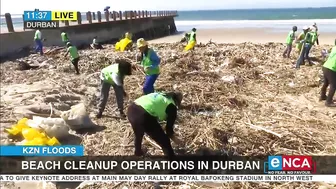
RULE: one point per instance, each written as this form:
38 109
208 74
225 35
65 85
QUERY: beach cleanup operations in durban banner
38 19
56 166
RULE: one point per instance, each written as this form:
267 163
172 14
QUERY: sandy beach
243 35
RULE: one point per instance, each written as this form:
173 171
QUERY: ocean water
276 19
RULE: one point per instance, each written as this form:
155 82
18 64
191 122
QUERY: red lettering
297 163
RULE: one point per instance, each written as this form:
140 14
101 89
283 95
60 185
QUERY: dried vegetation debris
242 99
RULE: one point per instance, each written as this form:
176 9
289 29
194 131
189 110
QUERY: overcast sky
18 6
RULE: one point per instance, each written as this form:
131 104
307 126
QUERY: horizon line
256 8
221 9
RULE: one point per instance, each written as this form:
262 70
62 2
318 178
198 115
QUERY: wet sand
244 35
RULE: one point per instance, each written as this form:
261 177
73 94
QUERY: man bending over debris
144 113
192 40
150 61
114 75
74 55
95 44
329 73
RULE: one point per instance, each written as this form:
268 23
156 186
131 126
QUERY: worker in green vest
38 41
329 73
150 61
316 29
192 40
306 46
144 115
314 36
65 38
73 55
289 42
113 75
300 38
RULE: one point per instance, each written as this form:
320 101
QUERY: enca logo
291 163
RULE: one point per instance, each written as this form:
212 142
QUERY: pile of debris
244 99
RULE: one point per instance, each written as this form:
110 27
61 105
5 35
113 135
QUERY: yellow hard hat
141 43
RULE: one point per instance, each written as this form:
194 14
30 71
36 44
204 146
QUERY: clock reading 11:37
37 15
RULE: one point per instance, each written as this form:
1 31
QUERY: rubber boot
122 114
99 114
330 104
323 97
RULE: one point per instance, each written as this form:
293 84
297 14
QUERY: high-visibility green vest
73 52
331 62
314 37
309 37
64 37
146 62
155 104
290 37
192 37
108 71
300 37
37 33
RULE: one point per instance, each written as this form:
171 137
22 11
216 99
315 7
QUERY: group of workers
146 111
304 42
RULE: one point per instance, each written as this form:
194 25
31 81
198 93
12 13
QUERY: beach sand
243 35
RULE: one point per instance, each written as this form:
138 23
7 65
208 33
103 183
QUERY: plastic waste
23 121
324 53
13 131
36 142
30 133
33 134
53 142
190 46
77 118
53 127
117 46
17 129
122 44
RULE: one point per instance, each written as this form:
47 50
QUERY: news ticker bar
49 15
171 178
160 165
66 150
41 24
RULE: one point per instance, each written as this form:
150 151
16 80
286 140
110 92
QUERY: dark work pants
304 55
75 63
288 50
329 80
104 94
142 122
